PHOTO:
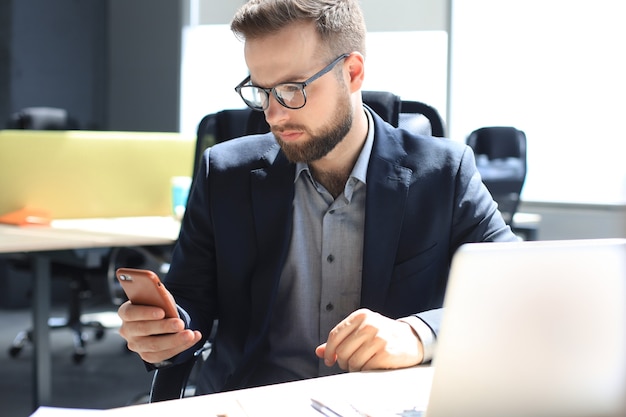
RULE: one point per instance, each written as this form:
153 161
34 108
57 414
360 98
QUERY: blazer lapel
272 196
387 190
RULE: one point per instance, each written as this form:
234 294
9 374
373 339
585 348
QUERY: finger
335 338
136 329
319 351
155 349
366 357
398 346
340 333
131 312
360 345
354 357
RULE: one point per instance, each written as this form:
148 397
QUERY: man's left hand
366 340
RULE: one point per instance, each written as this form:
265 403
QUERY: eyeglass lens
289 95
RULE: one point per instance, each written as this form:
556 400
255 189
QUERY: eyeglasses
290 95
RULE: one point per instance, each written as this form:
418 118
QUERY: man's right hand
152 336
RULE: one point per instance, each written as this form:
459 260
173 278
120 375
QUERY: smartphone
143 287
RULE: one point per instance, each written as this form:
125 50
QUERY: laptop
533 329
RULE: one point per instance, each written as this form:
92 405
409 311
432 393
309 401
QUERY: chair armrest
170 383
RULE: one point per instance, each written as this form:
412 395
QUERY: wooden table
41 242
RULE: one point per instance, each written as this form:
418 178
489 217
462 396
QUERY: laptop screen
533 329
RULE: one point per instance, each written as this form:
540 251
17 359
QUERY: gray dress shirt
321 281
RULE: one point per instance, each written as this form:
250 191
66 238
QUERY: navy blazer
424 199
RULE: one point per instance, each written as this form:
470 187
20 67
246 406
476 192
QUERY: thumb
320 350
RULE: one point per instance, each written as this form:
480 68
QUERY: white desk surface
375 394
89 233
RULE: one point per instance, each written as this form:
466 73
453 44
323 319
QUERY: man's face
309 133
323 137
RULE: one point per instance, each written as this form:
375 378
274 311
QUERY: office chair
500 153
422 118
414 116
79 290
225 125
174 382
42 118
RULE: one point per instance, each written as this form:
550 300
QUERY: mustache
286 127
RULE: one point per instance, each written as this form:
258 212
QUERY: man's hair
339 23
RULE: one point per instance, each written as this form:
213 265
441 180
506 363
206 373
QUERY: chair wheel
100 334
14 351
78 357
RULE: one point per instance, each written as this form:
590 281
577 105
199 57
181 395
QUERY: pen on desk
322 408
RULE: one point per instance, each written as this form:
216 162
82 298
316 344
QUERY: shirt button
330 259
330 307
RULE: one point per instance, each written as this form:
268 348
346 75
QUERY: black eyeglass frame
300 85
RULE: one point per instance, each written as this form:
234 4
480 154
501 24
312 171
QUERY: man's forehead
280 58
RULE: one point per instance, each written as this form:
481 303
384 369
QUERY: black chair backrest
257 123
410 112
414 116
400 113
498 142
386 105
219 127
42 118
501 160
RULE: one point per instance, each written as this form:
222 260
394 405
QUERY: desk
39 241
526 225
376 393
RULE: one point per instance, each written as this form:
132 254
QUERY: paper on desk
402 392
360 406
63 412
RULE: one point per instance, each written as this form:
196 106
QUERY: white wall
555 69
400 15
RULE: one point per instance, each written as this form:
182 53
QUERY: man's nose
275 112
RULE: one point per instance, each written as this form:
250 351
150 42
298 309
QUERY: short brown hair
339 23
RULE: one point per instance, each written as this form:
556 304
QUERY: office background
551 68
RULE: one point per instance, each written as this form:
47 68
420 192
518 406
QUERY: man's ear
355 65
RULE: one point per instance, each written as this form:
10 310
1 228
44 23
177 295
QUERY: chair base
80 336
79 291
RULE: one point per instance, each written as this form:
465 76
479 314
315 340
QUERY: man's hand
153 337
367 340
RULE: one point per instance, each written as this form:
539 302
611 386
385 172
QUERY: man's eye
290 88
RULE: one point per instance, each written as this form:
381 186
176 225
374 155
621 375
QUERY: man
324 245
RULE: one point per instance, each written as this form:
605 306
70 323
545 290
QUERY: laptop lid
533 329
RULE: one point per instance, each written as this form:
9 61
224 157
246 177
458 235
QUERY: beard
323 141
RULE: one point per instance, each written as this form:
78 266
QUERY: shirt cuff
424 333
184 316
